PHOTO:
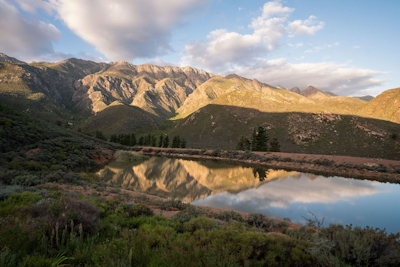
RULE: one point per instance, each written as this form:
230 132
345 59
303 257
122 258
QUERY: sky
347 47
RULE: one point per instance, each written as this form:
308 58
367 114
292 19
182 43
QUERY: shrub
256 219
17 201
27 180
198 223
187 214
6 191
228 215
138 210
173 203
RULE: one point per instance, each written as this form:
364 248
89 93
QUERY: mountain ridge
120 97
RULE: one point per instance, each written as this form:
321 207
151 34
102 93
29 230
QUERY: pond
276 193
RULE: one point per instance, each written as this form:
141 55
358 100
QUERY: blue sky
347 47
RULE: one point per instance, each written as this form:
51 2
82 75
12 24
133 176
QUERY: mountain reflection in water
186 180
272 192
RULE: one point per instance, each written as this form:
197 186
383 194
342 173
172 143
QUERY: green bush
138 210
18 201
228 215
203 223
187 214
173 203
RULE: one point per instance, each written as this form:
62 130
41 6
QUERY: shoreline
374 169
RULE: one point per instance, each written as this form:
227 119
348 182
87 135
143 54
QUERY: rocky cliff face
157 90
89 86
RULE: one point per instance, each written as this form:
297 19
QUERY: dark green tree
153 141
183 143
254 139
133 140
166 141
243 144
141 141
160 141
260 139
176 142
113 138
274 145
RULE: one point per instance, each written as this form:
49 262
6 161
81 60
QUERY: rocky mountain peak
5 58
309 91
295 90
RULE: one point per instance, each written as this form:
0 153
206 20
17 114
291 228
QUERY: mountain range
119 97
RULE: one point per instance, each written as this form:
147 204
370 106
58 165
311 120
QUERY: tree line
258 141
149 140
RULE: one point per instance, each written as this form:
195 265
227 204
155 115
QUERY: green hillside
34 152
120 118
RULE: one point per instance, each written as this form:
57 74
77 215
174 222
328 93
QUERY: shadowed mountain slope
217 126
130 119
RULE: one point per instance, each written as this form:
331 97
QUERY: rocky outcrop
157 90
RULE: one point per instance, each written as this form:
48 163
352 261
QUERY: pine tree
166 141
113 138
160 141
275 146
176 142
259 139
243 144
183 143
153 141
253 140
141 141
262 139
133 140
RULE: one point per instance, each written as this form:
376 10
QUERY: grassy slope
385 106
120 118
217 126
33 151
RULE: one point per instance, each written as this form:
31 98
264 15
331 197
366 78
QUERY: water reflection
306 188
186 179
272 192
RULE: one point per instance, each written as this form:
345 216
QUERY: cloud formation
246 55
340 79
307 27
126 29
280 193
223 49
25 38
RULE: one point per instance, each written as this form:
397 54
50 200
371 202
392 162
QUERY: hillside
86 87
218 126
385 106
206 109
34 152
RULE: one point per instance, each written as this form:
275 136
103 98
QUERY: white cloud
318 48
280 193
306 27
32 6
245 54
26 39
224 49
356 46
126 29
340 79
300 44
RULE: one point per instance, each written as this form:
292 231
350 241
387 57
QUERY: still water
275 193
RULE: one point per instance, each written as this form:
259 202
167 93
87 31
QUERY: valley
58 170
